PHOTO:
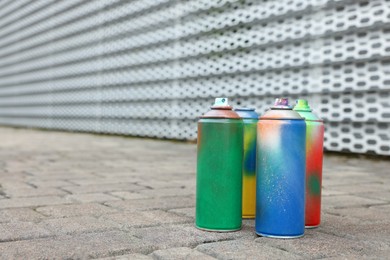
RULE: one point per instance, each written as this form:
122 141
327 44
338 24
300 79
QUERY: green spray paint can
219 169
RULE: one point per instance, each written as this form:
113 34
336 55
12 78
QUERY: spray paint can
280 182
219 169
250 118
314 155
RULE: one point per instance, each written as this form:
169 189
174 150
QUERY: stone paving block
189 212
364 214
77 225
50 183
146 218
244 249
32 202
362 188
344 201
13 186
341 181
100 181
355 225
129 195
375 234
157 203
315 245
60 211
103 188
380 195
156 184
189 182
21 230
329 192
380 255
181 236
128 257
31 192
180 253
67 176
167 192
91 245
91 197
20 214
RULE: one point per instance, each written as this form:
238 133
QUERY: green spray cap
304 110
302 105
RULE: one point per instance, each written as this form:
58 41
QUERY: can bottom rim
309 227
218 230
278 236
248 216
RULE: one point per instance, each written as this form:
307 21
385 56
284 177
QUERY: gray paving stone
157 203
32 202
103 188
315 245
189 212
158 184
380 195
167 192
102 181
129 195
73 210
364 214
31 192
361 188
10 186
91 197
146 218
181 236
50 183
244 249
21 230
180 253
68 176
128 257
77 225
375 234
344 201
91 245
19 214
329 192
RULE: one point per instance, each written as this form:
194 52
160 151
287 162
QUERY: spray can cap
281 110
247 113
302 105
221 109
281 103
221 103
303 108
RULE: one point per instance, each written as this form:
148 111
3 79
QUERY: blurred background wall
150 67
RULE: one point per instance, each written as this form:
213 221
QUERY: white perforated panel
149 68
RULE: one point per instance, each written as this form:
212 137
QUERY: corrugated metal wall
149 67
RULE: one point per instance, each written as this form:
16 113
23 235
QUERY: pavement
78 195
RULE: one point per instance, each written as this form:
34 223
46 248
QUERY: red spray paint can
314 155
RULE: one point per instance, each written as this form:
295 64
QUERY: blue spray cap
247 113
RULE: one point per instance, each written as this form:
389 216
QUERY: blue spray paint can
280 171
